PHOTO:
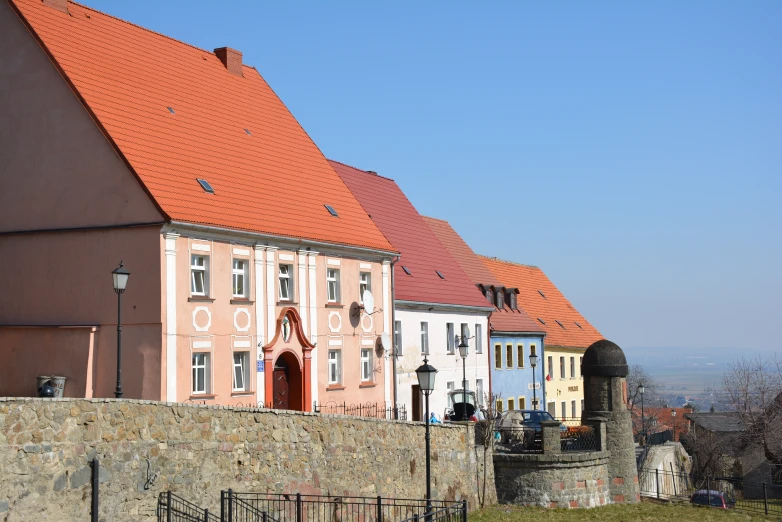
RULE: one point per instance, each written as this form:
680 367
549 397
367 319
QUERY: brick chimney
231 58
60 5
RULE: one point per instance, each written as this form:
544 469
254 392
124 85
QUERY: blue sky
631 150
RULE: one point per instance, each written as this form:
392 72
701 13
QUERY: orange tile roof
274 181
542 300
505 320
420 250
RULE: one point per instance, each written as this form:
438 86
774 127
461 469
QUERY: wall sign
260 365
572 388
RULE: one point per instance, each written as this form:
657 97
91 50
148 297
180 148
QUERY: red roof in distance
230 129
505 320
421 252
542 300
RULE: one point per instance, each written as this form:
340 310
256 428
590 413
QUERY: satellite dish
385 341
369 302
467 332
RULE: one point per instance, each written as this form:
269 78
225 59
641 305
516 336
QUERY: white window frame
335 366
509 349
244 366
520 356
573 408
550 364
562 373
498 350
573 367
244 273
398 337
478 338
206 367
286 276
364 283
449 387
424 337
450 339
479 391
200 269
366 364
332 285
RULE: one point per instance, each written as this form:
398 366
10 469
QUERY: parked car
712 498
464 406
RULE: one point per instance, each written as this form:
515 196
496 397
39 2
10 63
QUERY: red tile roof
505 320
542 300
273 181
421 252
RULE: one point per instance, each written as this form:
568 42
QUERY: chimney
231 58
60 5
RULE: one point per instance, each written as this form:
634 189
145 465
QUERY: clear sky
631 150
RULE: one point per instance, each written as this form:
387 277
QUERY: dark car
712 498
513 425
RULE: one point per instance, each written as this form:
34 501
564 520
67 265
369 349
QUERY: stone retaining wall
46 446
566 480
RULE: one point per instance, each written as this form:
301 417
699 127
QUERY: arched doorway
286 383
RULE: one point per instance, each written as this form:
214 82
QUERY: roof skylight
542 294
170 110
560 324
407 270
541 321
205 185
440 274
331 210
576 322
248 132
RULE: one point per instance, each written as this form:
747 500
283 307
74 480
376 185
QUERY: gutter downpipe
393 332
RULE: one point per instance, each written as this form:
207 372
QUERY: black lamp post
426 373
533 362
463 349
641 390
120 281
673 414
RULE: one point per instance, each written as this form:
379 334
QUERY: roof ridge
148 30
367 172
506 261
435 219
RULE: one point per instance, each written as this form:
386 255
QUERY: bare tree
651 398
484 437
754 390
711 453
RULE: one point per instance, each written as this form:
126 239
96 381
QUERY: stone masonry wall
566 480
46 447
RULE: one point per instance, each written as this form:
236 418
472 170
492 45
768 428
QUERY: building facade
249 257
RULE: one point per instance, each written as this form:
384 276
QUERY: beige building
249 257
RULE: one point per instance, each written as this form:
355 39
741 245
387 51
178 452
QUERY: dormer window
489 295
513 301
499 299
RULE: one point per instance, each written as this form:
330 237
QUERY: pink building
248 255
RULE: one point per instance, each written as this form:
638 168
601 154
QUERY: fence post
415 517
230 505
657 481
168 506
464 510
765 498
263 513
379 509
298 507
95 489
708 490
222 505
206 515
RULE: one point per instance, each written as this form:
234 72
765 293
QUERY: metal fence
758 497
519 439
578 438
372 410
570 422
322 508
173 508
456 512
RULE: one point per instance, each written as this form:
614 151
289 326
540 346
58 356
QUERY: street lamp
673 414
426 373
463 346
120 281
533 362
641 390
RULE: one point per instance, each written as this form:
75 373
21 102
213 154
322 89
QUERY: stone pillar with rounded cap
605 370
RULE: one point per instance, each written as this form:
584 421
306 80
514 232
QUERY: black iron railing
723 492
173 508
578 438
519 439
324 508
456 512
369 409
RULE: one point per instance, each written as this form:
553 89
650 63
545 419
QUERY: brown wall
57 168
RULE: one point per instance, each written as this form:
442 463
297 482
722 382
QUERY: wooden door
417 415
281 388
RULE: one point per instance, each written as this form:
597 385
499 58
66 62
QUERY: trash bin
55 381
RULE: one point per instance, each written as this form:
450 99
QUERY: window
398 337
465 333
424 337
532 350
364 285
331 210
199 275
478 339
449 386
240 278
332 281
498 299
552 409
511 404
499 405
520 355
572 367
204 184
580 363
513 301
582 404
522 403
201 373
573 409
407 270
366 364
509 356
241 371
286 282
490 295
562 367
479 391
498 356
564 409
449 337
550 367
335 366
